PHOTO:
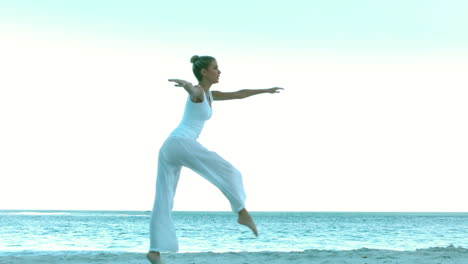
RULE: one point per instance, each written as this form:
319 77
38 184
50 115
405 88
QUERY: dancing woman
181 148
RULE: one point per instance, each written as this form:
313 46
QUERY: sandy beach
362 256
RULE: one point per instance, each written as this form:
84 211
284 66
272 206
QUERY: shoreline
450 254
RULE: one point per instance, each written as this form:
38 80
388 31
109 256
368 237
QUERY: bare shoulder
199 98
216 94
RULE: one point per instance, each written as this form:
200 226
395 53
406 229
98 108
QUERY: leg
162 230
223 175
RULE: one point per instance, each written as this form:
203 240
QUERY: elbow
241 95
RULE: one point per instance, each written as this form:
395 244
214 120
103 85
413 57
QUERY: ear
203 72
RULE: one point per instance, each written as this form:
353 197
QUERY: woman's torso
194 118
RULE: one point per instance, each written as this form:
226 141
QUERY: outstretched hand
180 83
274 90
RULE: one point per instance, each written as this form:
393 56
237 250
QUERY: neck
205 84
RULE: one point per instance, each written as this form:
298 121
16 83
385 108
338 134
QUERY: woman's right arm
193 91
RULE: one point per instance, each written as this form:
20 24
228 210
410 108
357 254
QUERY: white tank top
195 116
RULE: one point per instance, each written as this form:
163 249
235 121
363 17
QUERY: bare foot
154 257
245 219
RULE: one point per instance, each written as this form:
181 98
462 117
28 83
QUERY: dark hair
199 63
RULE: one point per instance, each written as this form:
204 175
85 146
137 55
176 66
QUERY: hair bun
194 58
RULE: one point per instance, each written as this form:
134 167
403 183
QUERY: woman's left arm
217 95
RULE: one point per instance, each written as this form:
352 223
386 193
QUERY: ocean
44 232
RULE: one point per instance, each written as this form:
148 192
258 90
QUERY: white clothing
181 148
195 115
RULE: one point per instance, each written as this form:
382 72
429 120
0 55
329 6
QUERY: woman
181 148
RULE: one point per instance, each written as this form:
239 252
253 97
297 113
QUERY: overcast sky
373 116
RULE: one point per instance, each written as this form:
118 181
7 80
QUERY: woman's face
212 73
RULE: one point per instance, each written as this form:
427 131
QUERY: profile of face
211 73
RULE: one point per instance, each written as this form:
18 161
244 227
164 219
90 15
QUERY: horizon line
229 211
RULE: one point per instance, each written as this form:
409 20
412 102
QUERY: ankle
242 212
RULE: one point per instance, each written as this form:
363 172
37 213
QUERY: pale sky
373 116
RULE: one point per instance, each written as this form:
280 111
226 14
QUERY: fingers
277 89
175 80
179 83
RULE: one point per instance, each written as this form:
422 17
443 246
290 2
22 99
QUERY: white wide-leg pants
175 153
